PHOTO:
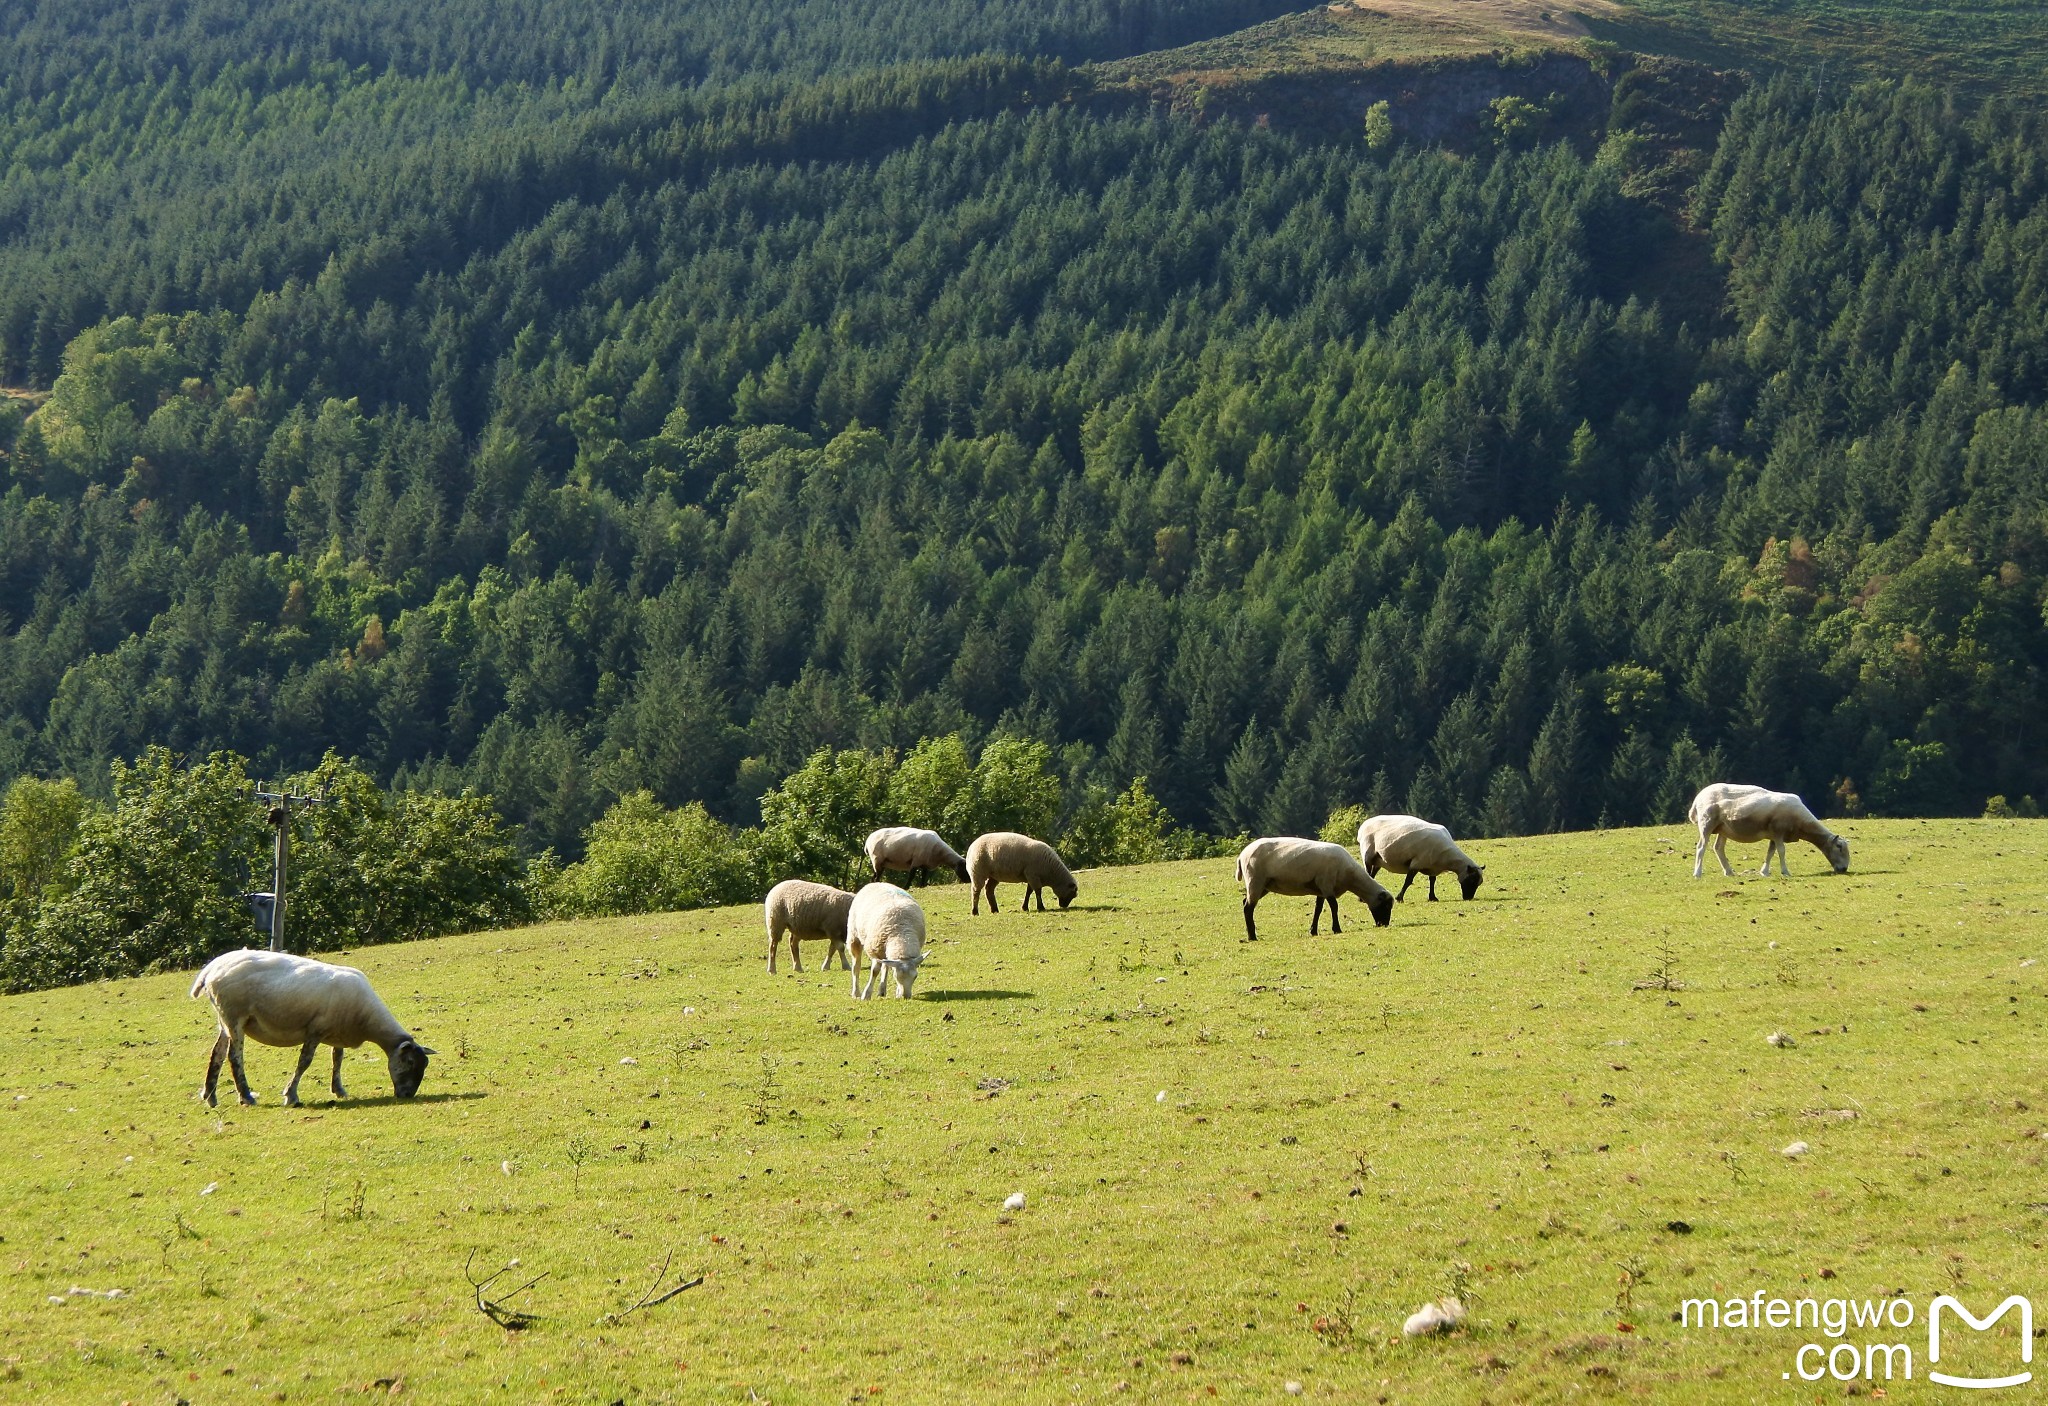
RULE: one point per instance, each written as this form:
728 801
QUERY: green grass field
1244 1163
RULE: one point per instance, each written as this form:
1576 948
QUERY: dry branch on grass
496 1309
650 1299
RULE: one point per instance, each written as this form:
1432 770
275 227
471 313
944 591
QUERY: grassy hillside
1979 46
1355 32
1244 1163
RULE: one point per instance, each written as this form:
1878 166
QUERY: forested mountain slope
564 439
541 42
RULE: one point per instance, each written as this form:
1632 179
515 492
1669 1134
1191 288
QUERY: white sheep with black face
886 927
1745 814
1006 857
1407 844
279 999
913 851
1301 868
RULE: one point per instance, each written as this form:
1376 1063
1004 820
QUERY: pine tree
1241 797
1557 765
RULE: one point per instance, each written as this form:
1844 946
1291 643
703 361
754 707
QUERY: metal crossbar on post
280 819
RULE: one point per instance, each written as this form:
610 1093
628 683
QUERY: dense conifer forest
576 405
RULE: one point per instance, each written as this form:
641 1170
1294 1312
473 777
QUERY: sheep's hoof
248 1100
292 1102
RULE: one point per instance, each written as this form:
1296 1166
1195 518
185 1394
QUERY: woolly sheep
1005 857
905 848
806 910
886 926
1745 814
1406 844
285 1000
1299 868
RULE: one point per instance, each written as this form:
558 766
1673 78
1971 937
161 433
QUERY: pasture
1243 1163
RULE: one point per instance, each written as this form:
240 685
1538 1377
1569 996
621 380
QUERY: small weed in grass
767 1093
351 1207
579 1149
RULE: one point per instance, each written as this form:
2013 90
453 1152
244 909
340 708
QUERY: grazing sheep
1745 814
1299 868
887 927
1404 844
285 1000
806 910
901 847
1005 857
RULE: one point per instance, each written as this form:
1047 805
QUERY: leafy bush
152 882
1342 826
39 823
155 882
367 868
643 858
1129 829
814 824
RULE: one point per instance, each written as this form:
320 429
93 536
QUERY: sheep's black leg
291 1090
1251 930
1432 888
991 895
1336 927
220 1052
335 1082
235 1066
1402 896
1315 917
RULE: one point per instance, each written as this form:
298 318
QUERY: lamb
887 927
1302 867
806 910
286 1000
1744 814
901 847
1404 844
1005 857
